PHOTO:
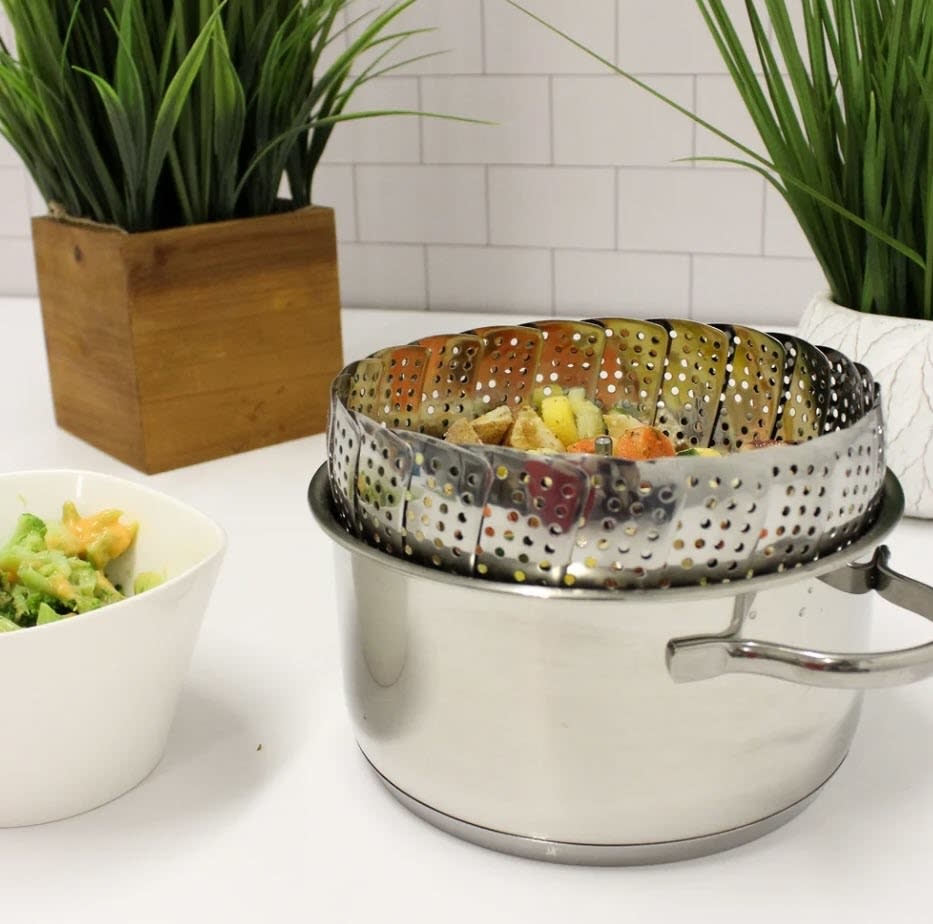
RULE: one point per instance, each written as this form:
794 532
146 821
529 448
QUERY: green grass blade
229 125
172 105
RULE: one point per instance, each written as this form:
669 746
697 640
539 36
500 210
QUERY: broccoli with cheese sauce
51 571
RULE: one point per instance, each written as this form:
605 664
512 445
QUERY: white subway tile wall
553 207
387 275
512 279
579 199
698 211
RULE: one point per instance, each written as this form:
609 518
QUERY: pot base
533 848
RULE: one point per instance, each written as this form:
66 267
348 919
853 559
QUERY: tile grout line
574 249
482 34
690 280
27 192
764 216
656 168
354 182
427 278
597 75
617 192
420 121
553 282
617 44
488 194
694 128
552 128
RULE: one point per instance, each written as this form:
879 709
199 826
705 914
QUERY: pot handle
707 656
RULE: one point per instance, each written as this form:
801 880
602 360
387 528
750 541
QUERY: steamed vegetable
99 538
51 571
587 415
27 539
557 414
642 443
559 420
147 580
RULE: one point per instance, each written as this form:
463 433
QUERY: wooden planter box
172 347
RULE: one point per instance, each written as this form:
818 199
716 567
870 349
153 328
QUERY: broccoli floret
25 603
99 538
69 581
47 614
6 596
146 580
27 539
104 591
19 604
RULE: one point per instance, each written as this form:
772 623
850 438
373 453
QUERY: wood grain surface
172 347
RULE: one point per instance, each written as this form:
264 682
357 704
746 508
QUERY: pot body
555 718
899 354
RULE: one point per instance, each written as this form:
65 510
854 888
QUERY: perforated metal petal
858 469
845 401
866 389
719 523
446 496
631 515
364 393
507 366
590 521
343 449
752 390
571 354
805 397
632 368
448 380
531 516
692 387
382 478
795 505
401 387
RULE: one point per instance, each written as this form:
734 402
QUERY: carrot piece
643 443
584 445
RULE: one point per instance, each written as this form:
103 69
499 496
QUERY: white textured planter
899 354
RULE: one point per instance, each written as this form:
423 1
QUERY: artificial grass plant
149 114
842 97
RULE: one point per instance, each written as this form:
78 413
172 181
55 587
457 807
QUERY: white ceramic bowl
90 699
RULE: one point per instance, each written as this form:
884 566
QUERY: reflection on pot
376 650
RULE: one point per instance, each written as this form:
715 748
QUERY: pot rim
892 509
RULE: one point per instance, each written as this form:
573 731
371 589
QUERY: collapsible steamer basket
523 630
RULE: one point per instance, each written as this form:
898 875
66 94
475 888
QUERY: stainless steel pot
569 725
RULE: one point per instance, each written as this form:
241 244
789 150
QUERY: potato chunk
588 416
530 433
557 414
462 433
492 427
617 423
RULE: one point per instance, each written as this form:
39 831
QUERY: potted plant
190 311
843 102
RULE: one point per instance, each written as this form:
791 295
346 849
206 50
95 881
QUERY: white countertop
301 831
